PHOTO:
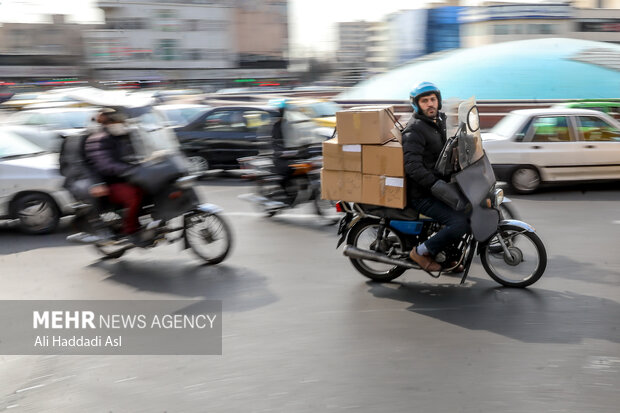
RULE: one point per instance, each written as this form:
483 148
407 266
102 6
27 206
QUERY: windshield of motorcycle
470 142
150 137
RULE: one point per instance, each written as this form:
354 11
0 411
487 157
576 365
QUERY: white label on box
399 182
351 148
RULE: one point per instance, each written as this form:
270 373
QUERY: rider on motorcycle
423 140
111 156
283 156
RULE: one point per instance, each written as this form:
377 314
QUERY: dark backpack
74 166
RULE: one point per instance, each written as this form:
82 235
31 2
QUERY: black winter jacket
423 141
109 156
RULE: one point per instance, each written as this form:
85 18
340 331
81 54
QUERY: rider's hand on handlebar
99 190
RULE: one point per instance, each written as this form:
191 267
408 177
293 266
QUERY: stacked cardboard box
365 162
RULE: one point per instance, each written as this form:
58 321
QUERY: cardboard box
338 157
365 125
341 185
386 159
384 190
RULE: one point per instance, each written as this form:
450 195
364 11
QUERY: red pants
130 197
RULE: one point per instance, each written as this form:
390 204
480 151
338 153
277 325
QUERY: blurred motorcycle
303 185
171 210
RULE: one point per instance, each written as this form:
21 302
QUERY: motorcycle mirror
473 119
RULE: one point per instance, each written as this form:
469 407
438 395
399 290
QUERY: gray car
30 185
531 147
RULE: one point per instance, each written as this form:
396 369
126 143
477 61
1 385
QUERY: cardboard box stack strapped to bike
364 163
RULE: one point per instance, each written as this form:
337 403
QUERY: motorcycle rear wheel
527 260
362 236
209 236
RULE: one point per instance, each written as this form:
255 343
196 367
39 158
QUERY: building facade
501 22
597 20
41 50
188 40
377 48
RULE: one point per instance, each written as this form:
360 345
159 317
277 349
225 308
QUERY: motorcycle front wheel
209 236
524 263
364 236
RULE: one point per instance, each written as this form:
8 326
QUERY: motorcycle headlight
499 196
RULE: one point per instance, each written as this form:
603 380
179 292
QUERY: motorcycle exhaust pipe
354 252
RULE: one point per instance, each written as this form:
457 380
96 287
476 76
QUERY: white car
31 185
530 147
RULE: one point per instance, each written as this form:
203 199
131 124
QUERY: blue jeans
456 222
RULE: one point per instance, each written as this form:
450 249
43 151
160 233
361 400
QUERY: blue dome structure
553 68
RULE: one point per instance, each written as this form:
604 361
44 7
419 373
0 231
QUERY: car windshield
182 116
508 125
12 145
72 119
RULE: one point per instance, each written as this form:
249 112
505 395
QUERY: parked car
47 140
220 136
19 100
178 115
30 185
528 148
322 112
64 121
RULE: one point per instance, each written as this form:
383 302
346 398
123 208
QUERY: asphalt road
304 332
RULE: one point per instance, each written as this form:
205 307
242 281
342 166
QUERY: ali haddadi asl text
78 341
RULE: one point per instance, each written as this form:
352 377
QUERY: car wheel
198 164
37 213
525 179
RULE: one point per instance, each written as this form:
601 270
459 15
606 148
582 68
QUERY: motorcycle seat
406 214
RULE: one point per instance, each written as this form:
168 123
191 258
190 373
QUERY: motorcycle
171 210
303 186
379 239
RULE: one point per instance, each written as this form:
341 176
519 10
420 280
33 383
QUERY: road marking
615 222
195 385
127 379
30 388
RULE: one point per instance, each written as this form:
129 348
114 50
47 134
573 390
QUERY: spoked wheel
524 263
364 236
327 209
198 164
209 236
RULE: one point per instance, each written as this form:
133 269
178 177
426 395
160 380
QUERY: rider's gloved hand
99 190
450 194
